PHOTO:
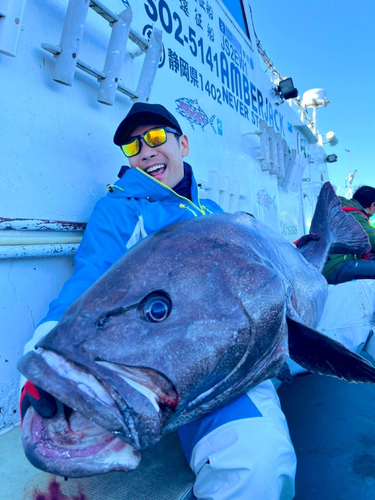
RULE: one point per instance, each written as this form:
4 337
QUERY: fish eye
156 308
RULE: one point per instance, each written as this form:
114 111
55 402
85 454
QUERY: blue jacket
137 207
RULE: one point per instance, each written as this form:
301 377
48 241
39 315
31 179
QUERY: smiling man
240 451
149 126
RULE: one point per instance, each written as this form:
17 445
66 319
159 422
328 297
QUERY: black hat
142 112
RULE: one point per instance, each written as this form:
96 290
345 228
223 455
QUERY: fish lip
147 398
51 372
55 452
93 393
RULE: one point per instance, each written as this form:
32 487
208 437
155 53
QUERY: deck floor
332 424
162 475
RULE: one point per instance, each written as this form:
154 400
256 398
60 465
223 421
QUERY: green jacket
334 260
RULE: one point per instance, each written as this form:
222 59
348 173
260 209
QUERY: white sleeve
39 333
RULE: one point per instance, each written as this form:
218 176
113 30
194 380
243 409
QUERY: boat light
286 89
330 158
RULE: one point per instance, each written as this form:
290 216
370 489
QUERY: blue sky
330 45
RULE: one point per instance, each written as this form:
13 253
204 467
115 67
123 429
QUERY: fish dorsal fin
320 354
338 232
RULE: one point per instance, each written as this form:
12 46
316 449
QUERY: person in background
341 268
242 451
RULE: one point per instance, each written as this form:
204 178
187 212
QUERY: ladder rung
53 49
138 39
111 17
90 70
56 50
124 90
103 11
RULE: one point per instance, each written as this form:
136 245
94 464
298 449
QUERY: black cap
143 113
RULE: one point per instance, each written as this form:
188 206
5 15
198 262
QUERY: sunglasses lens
155 137
131 148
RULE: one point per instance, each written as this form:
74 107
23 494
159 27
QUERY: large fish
190 318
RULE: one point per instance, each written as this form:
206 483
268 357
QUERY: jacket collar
134 183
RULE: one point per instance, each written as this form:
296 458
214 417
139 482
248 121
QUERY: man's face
168 156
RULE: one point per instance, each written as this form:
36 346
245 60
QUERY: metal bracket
11 13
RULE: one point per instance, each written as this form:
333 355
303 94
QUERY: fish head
183 323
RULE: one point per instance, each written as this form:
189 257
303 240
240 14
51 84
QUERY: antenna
314 98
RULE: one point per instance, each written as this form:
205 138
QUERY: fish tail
212 122
338 232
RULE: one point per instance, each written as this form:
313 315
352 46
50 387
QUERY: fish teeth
155 167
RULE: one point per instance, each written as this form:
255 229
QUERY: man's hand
42 402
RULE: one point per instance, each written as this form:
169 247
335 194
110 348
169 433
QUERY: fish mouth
130 403
74 447
148 382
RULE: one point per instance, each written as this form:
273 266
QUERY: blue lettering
253 97
227 47
266 110
270 115
231 100
282 125
276 114
237 103
224 70
246 95
222 43
236 80
225 94
246 115
253 117
260 103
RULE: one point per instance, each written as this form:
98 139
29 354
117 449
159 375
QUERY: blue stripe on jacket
190 434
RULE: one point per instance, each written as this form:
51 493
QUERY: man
341 268
238 452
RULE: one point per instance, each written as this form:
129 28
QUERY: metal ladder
67 60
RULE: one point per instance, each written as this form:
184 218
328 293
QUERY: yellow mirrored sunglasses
153 138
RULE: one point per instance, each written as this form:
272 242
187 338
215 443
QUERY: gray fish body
230 284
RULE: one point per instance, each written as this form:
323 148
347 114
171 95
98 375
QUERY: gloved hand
305 239
42 402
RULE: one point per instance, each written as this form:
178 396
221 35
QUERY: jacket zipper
200 208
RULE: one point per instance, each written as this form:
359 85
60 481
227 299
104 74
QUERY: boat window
235 7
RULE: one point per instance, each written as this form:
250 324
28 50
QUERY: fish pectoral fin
284 374
320 354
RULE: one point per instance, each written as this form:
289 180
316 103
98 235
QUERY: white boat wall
69 72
